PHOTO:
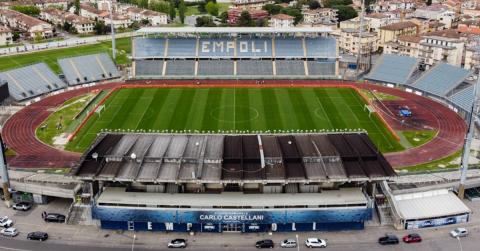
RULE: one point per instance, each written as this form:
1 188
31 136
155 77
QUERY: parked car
177 243
53 217
316 243
288 243
11 231
264 244
24 206
459 232
5 222
39 236
388 239
411 238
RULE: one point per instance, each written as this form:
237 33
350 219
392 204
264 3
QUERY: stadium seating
321 68
463 98
394 69
321 47
254 68
31 81
149 47
216 48
148 67
289 67
181 47
441 79
288 48
254 48
180 67
88 68
215 67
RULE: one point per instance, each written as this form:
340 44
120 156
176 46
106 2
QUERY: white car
288 243
11 231
459 232
316 243
5 222
177 243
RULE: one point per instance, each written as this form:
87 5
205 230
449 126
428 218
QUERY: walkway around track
19 130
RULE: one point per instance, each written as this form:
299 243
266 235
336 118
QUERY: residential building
406 45
234 14
154 18
392 5
118 21
438 12
82 25
472 59
354 23
470 26
89 11
30 25
391 32
41 4
282 21
377 20
251 4
5 36
350 39
446 46
320 16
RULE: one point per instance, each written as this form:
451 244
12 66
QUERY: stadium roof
430 204
341 197
464 98
204 158
230 30
393 69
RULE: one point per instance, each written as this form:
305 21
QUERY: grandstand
441 80
31 81
88 68
393 69
276 53
203 174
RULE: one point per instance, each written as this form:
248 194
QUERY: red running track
19 130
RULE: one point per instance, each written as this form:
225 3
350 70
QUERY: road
439 244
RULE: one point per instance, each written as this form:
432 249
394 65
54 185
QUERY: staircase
80 214
385 215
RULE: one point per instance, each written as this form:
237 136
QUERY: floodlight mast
112 28
359 55
471 127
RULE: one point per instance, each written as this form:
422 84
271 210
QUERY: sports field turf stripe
287 113
213 100
153 109
271 109
302 110
182 109
167 111
320 119
330 109
198 112
126 108
244 113
255 100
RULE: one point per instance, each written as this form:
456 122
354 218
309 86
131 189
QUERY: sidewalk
87 235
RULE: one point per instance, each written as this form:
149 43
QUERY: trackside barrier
185 84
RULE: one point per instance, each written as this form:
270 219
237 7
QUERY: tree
143 4
294 12
15 35
76 4
429 2
159 6
38 37
100 28
245 20
345 12
313 4
212 8
272 9
331 3
27 10
182 8
224 17
172 12
205 21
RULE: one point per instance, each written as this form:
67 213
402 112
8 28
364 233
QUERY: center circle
230 112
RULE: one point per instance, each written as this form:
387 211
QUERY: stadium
234 130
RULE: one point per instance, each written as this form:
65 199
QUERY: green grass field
220 109
50 56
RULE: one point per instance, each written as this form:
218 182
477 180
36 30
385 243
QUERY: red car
412 238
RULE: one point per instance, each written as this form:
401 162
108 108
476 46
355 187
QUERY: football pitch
240 109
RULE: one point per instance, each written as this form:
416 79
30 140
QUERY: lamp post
460 243
298 244
133 241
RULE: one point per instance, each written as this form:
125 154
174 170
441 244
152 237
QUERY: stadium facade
242 53
239 183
